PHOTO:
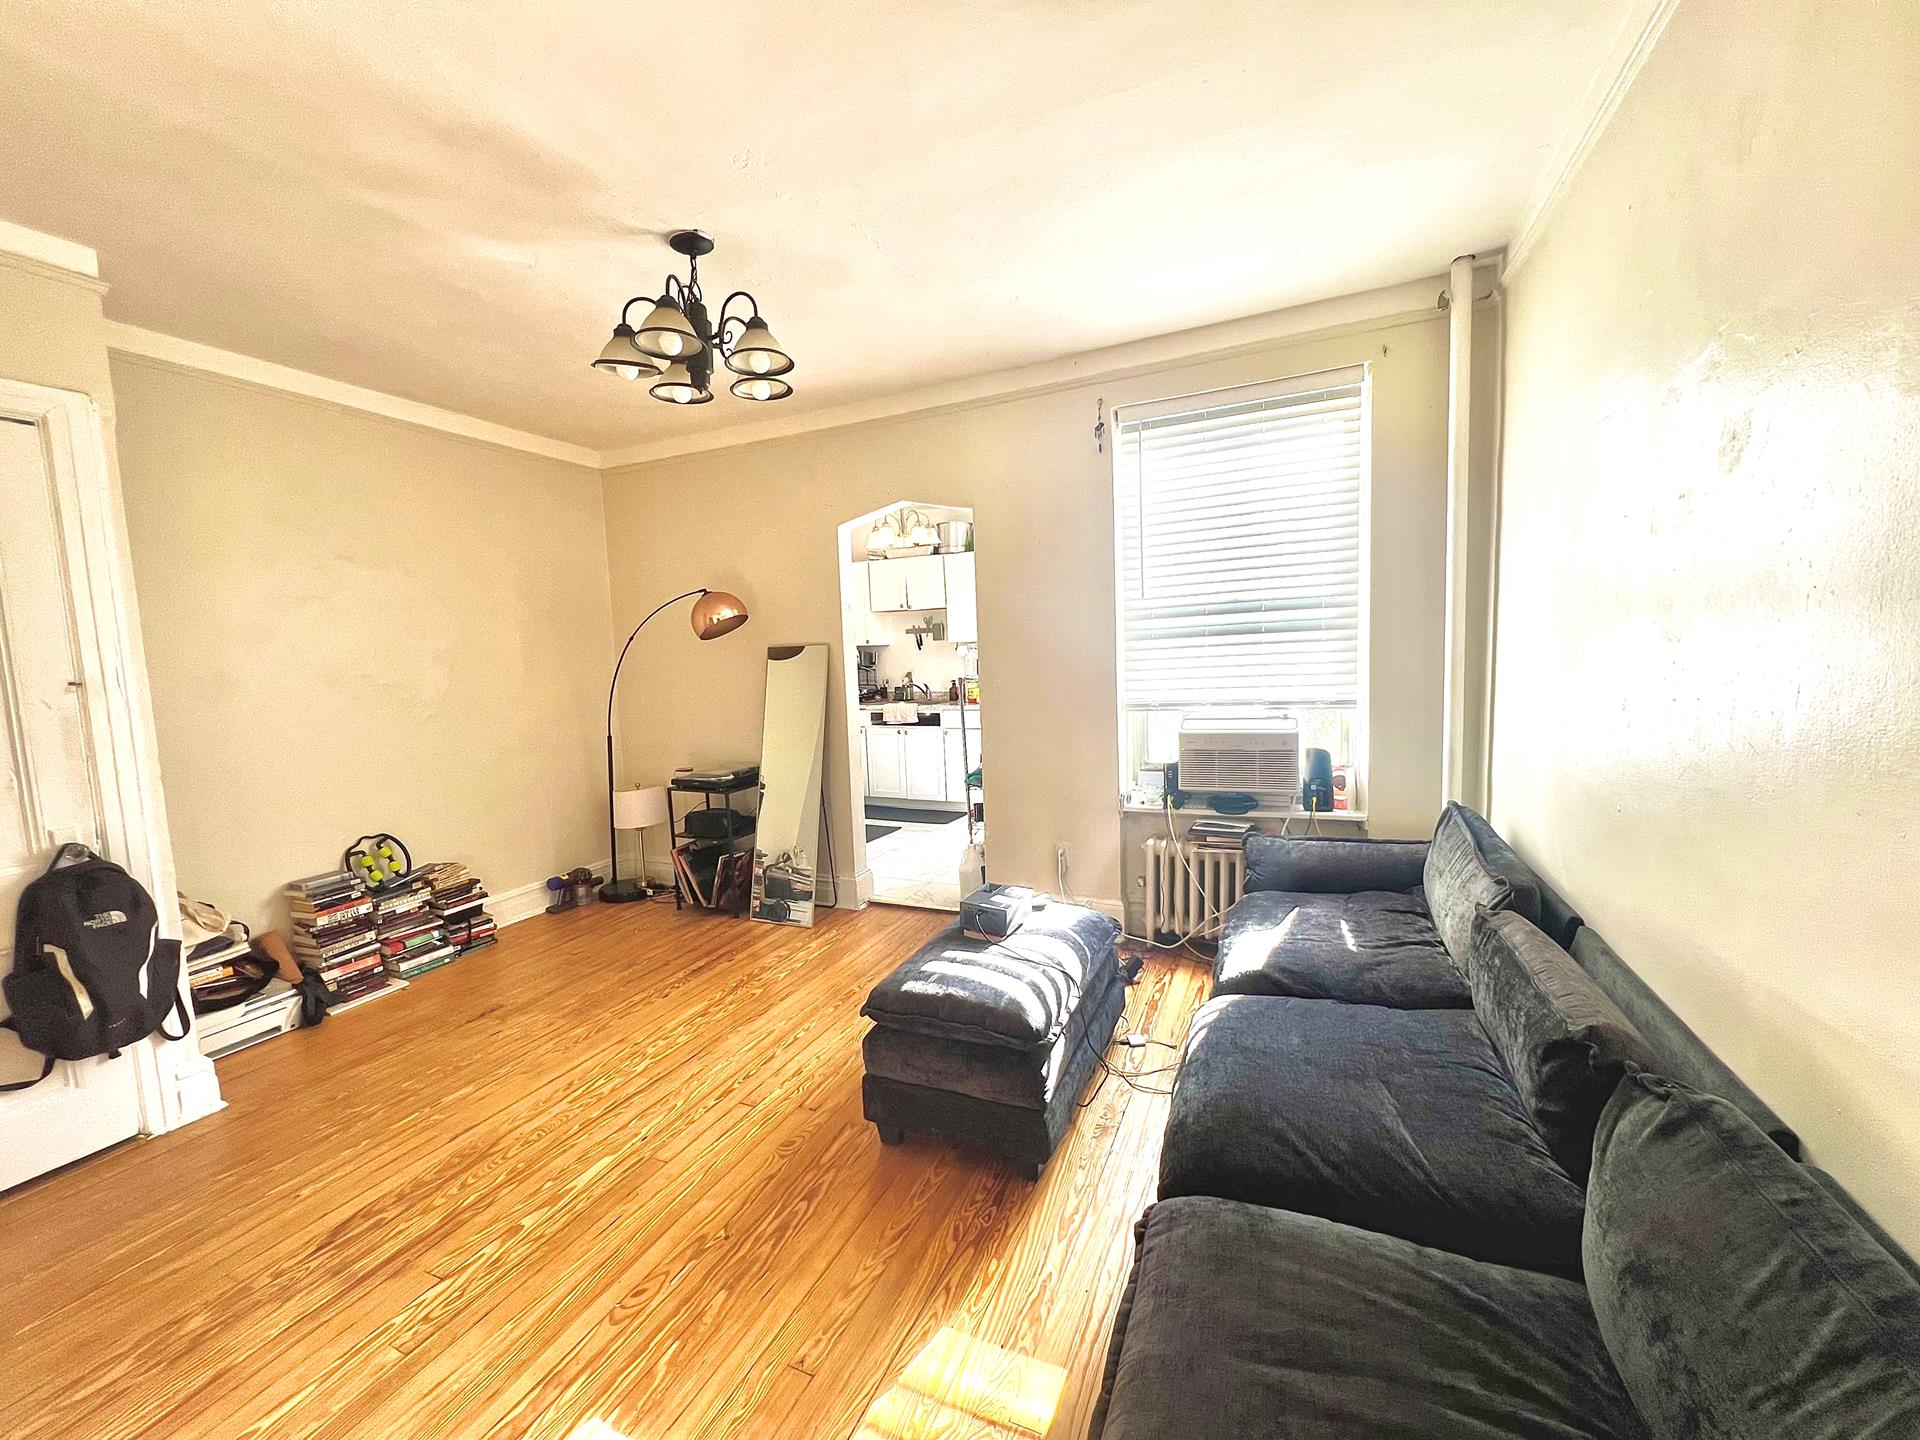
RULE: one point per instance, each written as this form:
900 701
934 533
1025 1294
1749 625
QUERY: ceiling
447 200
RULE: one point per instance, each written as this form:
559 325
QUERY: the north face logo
105 919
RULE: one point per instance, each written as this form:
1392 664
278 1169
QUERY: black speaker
1316 789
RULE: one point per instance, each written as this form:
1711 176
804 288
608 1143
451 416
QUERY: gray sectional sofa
1439 1165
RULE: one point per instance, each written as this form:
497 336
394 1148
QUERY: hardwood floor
607 1180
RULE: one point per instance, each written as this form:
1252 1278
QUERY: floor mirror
793 753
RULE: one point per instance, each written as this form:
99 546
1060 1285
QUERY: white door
926 581
885 772
926 762
963 621
887 585
48 795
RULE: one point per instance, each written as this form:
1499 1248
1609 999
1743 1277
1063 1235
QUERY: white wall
357 624
761 520
1707 714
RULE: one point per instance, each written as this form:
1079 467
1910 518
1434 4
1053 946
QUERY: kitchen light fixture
677 342
906 530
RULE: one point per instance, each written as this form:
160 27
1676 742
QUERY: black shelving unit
713 795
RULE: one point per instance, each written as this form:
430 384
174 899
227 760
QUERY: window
1241 560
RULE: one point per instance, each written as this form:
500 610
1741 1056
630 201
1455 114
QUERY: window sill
1202 812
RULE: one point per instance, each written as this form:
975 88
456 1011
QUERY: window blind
1239 524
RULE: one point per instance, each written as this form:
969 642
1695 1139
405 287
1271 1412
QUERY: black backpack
91 974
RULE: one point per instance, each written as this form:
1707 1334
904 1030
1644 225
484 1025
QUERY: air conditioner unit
1249 751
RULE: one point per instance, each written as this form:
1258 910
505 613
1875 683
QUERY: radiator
1190 897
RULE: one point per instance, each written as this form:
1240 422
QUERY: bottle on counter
953 692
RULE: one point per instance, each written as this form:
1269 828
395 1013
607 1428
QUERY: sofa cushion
1025 1079
1565 1043
1401 1121
1246 1322
1316 865
1737 1296
1469 866
1682 1055
1371 948
1017 992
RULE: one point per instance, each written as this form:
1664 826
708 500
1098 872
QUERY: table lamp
635 810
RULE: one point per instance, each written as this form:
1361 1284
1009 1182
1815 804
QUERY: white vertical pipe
1454 700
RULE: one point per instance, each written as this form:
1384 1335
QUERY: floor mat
874 832
910 815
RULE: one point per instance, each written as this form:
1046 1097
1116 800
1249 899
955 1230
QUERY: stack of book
214 973
411 934
459 901
333 936
1219 834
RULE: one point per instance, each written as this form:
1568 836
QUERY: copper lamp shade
717 613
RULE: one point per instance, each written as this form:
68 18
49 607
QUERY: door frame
176 1084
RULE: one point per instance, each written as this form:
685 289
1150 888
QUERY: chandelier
677 342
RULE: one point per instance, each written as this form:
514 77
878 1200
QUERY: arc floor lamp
715 613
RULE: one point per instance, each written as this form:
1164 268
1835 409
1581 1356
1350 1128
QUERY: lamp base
622 892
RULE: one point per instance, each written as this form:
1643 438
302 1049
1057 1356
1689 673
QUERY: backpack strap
179 1007
46 1066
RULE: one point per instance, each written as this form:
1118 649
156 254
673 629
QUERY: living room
1492 429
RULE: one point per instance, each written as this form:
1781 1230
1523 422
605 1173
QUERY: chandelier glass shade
619 358
679 343
677 386
666 334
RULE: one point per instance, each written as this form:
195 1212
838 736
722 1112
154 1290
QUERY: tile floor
919 864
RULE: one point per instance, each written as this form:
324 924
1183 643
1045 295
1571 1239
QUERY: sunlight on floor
594 1428
961 1385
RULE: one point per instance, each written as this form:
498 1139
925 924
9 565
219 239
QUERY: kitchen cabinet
918 582
886 762
925 763
963 621
917 762
886 585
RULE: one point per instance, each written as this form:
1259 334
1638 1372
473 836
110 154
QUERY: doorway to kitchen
908 606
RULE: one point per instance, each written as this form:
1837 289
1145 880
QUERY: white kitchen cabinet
963 621
926 582
925 763
886 762
919 582
887 585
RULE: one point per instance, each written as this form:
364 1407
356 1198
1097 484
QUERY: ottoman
991 1042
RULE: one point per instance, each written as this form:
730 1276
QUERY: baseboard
198 1092
853 892
510 907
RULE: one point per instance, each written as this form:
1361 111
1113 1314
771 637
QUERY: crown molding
1410 300
49 257
190 356
1629 54
1394 304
